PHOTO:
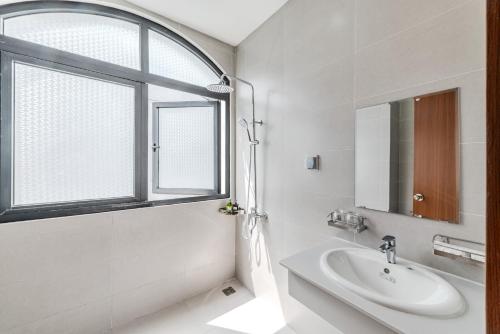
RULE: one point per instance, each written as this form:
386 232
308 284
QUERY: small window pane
73 137
186 158
170 59
100 37
162 95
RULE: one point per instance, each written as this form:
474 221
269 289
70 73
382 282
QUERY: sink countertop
307 266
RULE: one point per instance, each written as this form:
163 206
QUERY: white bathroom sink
401 286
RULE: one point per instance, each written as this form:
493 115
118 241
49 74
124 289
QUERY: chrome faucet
389 248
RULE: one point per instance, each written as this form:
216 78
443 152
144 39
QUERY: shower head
243 122
221 88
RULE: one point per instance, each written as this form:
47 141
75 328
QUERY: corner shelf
239 212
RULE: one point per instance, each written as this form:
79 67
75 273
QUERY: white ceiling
230 21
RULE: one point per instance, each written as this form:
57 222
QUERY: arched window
103 110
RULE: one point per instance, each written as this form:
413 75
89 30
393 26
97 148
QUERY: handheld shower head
244 124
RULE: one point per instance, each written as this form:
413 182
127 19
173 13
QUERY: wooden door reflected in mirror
435 179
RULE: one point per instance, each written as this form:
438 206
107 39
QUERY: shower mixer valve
257 216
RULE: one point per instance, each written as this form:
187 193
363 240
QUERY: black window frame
12 50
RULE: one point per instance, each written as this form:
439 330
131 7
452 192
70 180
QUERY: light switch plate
312 163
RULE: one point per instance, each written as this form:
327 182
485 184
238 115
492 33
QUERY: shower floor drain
229 291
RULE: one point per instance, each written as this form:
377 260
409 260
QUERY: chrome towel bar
455 248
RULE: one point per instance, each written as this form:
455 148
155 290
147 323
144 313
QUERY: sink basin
402 286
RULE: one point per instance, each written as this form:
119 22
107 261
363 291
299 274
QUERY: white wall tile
63 257
320 62
89 318
149 265
424 53
473 178
132 304
163 255
317 35
32 301
135 230
43 250
210 276
381 19
316 90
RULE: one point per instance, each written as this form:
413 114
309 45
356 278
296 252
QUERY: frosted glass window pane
157 94
104 38
187 143
170 59
73 137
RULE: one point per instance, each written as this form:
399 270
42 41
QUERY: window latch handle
155 147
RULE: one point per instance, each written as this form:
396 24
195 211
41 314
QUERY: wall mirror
407 157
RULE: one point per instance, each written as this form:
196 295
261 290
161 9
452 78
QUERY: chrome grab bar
456 248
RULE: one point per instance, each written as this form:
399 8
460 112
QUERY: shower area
254 214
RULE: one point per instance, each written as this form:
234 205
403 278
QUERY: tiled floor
214 313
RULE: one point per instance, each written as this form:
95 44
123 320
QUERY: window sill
25 214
